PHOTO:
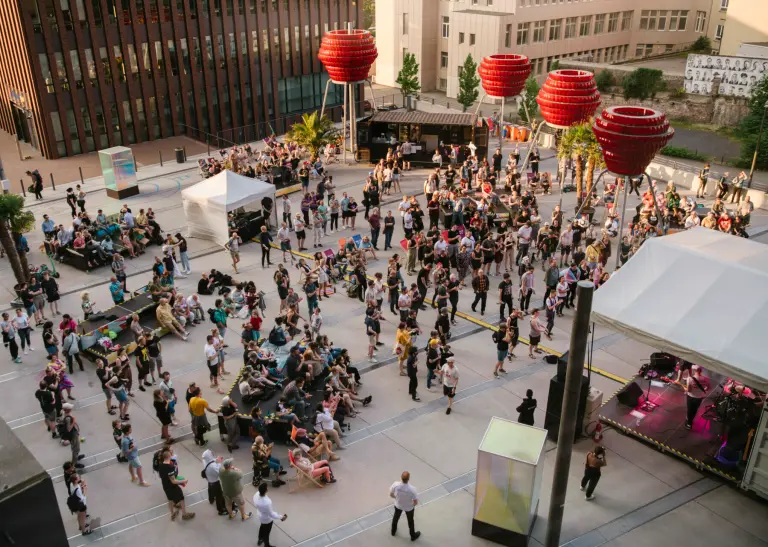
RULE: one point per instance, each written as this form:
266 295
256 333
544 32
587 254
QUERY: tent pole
325 98
353 121
621 222
344 125
501 126
534 137
480 103
373 95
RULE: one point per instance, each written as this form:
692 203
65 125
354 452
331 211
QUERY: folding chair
300 475
358 239
294 433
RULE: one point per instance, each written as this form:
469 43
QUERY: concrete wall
746 21
673 81
685 179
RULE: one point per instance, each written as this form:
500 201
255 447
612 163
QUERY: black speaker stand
647 405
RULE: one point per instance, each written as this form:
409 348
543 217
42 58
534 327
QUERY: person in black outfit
411 369
389 229
505 295
72 201
37 183
497 158
480 286
172 486
422 279
534 162
527 408
265 238
453 296
394 290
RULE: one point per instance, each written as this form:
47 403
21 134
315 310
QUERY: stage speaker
555 406
630 394
663 362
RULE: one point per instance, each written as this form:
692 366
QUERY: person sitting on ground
206 284
167 321
320 469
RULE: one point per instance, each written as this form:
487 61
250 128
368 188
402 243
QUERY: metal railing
695 170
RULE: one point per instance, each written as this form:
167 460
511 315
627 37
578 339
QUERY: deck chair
294 433
301 476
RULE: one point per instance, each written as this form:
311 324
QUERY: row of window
671 20
154 11
194 55
568 28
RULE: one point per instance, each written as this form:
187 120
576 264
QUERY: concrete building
746 21
82 75
716 23
442 32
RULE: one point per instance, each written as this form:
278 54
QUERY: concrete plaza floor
644 497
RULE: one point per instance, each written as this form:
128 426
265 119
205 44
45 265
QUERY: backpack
157 459
202 473
73 502
276 337
211 316
61 429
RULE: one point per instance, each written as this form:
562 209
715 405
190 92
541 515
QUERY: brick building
81 75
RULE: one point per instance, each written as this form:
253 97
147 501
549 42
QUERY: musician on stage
696 389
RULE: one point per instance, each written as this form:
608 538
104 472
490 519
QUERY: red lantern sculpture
568 97
504 75
347 54
630 137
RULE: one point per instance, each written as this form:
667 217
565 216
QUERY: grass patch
682 152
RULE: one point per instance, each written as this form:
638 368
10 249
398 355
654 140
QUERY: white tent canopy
207 203
700 295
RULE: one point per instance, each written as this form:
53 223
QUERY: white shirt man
440 246
450 377
266 514
468 242
524 235
211 355
284 234
406 499
406 148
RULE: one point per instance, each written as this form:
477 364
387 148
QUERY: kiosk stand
510 463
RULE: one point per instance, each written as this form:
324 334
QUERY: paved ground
670 65
644 498
710 144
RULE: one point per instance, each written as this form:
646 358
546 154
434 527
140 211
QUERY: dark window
141 118
97 17
180 113
102 123
90 144
117 137
153 120
129 122
167 114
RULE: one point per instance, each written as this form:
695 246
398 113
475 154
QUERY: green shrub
677 93
643 83
682 152
605 80
702 43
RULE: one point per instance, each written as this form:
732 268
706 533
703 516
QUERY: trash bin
180 155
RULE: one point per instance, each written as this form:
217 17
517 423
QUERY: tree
13 217
702 43
313 132
643 83
529 100
749 128
468 83
605 80
408 77
579 143
369 13
555 65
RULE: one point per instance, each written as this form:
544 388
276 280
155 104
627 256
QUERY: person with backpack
131 452
219 317
69 431
47 400
77 502
71 350
210 472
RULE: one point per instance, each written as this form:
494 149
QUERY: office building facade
82 75
746 21
441 33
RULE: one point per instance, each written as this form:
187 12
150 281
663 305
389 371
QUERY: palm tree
580 144
313 132
13 218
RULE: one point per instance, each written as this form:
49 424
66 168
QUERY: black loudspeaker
663 362
555 406
562 366
630 394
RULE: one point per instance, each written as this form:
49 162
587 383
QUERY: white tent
207 203
700 295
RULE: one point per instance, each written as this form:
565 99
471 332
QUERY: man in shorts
104 374
230 478
233 246
450 377
72 435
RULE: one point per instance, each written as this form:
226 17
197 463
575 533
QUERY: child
117 435
316 322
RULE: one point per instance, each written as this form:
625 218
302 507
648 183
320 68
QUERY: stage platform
664 427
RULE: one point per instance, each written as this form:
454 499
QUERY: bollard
135 165
23 190
161 157
184 148
53 183
433 101
81 175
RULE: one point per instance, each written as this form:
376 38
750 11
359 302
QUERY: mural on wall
738 75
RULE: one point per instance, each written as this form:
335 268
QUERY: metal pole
567 431
23 190
344 124
82 181
325 97
501 126
184 151
52 182
160 152
527 115
373 95
352 121
621 222
18 149
757 147
521 170
480 102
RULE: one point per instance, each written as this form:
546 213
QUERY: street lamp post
757 146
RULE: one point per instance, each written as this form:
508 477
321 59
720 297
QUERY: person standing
131 451
231 479
701 191
412 369
450 378
526 289
22 326
535 336
47 400
505 296
551 309
406 498
72 434
502 338
389 230
287 218
265 239
480 286
696 388
211 469
37 183
592 471
172 484
233 246
266 514
71 350
9 337
526 408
